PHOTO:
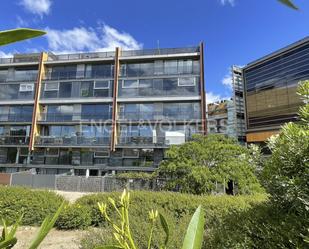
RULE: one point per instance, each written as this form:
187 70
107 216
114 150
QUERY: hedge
34 204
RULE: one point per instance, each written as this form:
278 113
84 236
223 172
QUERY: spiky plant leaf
15 35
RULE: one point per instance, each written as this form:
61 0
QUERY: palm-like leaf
14 35
289 3
195 231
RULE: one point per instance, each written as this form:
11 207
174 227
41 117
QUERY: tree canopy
197 166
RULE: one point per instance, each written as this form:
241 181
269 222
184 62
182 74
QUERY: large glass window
65 89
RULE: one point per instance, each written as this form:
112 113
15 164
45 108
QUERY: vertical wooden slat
115 93
36 108
202 86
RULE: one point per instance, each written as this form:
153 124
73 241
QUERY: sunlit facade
270 90
65 113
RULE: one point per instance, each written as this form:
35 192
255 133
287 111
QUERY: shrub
177 208
74 217
34 204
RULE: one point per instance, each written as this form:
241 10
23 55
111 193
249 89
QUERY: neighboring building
97 113
217 118
270 90
236 108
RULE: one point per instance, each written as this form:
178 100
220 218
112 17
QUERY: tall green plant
15 35
123 235
8 238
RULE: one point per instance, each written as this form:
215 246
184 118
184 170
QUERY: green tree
199 165
286 174
289 3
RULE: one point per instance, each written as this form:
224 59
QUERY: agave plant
8 238
123 234
15 35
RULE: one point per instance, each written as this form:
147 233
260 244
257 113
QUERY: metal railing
159 51
80 56
56 117
109 74
159 116
25 77
14 140
125 53
71 140
16 117
20 59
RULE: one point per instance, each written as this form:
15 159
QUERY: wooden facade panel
260 136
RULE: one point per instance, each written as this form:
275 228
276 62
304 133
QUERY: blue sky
234 31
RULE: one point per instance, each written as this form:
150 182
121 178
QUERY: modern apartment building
270 90
236 107
97 113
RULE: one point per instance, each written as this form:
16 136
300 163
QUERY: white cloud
5 55
212 97
103 38
37 7
231 2
21 22
228 81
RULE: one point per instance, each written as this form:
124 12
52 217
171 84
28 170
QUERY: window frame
26 85
129 87
53 89
180 85
95 87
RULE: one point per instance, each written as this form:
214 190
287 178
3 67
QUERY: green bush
177 208
74 217
34 204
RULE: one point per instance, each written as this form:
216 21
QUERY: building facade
270 90
236 107
217 118
95 113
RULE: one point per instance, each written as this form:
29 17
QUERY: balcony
109 74
20 77
24 118
20 58
80 56
162 51
14 140
73 117
128 53
159 116
71 141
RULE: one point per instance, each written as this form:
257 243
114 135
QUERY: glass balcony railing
162 51
109 74
14 140
126 53
159 116
21 77
16 117
155 141
20 59
75 117
71 141
80 56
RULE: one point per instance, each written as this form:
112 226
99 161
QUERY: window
186 81
54 86
102 84
130 84
101 153
65 89
130 153
26 87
